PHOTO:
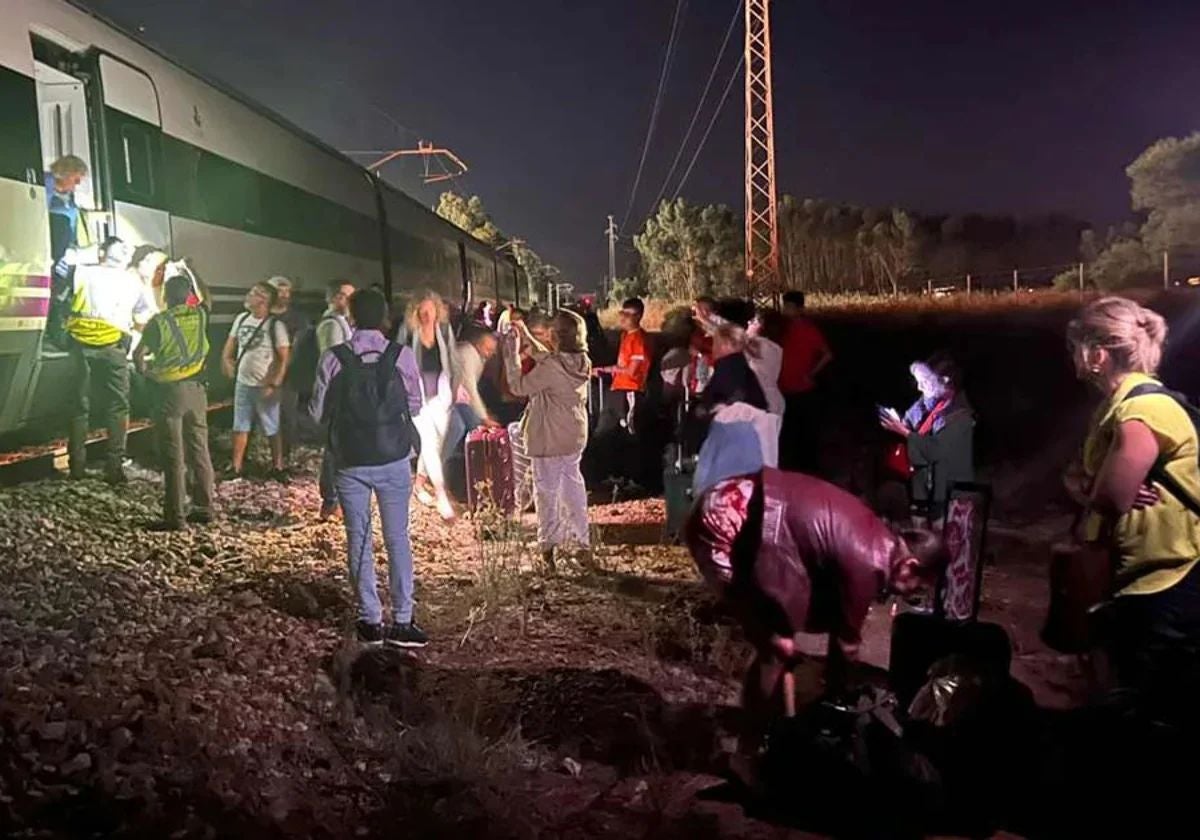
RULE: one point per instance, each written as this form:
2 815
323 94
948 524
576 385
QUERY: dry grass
958 302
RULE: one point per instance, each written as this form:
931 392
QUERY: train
184 163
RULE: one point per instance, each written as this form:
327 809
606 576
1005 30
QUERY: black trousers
616 449
1154 644
799 436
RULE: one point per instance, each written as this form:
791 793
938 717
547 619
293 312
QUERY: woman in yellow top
1153 623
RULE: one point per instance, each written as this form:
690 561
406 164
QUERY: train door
133 146
106 113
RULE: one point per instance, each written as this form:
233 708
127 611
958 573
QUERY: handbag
896 462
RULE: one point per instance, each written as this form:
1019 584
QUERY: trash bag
978 726
841 766
950 694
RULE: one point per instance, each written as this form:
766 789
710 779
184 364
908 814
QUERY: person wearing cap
789 554
177 339
296 323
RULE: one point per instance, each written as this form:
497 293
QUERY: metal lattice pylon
762 226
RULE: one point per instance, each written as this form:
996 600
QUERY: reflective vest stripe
185 359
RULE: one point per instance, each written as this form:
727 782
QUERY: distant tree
469 214
688 250
1165 184
624 288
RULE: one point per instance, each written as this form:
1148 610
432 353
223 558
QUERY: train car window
137 159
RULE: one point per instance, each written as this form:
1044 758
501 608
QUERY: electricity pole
611 230
762 227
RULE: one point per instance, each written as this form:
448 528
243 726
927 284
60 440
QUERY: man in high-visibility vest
178 338
107 305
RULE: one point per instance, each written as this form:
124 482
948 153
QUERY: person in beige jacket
555 427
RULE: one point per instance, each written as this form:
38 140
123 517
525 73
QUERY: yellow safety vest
182 343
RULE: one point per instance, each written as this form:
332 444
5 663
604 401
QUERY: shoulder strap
346 355
1159 472
237 325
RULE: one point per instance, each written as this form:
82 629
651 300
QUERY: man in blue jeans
367 391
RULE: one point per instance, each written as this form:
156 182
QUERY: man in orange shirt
805 354
628 386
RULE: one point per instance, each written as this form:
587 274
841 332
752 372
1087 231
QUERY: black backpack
1158 472
302 367
369 420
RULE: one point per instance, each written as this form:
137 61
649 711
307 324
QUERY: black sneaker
280 476
230 474
161 526
198 518
116 477
369 634
406 636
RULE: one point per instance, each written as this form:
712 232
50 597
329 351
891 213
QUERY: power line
699 107
662 84
724 97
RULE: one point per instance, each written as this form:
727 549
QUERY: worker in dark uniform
107 304
178 340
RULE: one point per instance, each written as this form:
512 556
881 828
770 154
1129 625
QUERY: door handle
31 176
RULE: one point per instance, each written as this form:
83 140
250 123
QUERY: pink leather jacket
810 557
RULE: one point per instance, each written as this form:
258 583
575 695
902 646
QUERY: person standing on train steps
255 356
366 393
64 177
68 232
177 338
333 329
296 324
108 303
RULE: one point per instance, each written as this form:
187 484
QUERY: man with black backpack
366 392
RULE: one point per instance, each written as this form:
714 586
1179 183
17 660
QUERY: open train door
132 146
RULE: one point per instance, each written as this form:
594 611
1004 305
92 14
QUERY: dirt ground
203 684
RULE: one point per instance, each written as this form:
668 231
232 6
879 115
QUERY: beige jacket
555 421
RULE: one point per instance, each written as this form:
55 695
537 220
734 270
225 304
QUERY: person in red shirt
628 388
805 355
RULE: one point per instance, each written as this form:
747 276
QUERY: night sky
939 105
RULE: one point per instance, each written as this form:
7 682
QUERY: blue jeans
463 420
392 486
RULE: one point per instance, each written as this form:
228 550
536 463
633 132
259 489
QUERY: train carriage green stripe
19 148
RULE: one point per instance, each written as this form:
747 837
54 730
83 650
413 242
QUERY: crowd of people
734 396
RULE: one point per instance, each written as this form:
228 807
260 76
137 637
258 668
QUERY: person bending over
789 553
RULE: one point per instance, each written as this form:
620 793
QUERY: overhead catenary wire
680 5
737 71
687 135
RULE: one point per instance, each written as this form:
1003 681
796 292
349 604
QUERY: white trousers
561 501
432 423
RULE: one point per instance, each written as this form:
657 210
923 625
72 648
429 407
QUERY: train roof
274 116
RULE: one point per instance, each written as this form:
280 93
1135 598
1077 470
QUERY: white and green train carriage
183 163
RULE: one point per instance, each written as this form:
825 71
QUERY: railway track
45 460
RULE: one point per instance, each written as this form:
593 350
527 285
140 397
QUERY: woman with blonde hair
1140 487
427 331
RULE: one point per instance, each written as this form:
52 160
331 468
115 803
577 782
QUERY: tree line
470 215
686 249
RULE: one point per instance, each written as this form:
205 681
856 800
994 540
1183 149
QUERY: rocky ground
203 684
